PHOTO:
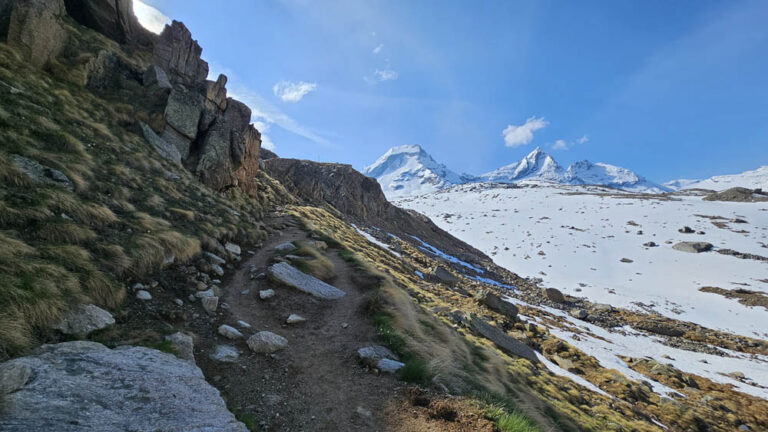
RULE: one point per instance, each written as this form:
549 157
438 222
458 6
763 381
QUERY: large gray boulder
443 275
693 247
166 150
85 386
288 275
495 303
506 343
553 294
179 55
34 28
85 319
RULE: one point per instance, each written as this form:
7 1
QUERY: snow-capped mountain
537 165
753 179
586 172
409 170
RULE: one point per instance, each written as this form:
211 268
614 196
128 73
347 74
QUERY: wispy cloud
515 136
263 128
293 91
386 74
378 48
149 17
562 144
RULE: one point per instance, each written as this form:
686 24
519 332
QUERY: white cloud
149 17
582 140
293 91
388 74
378 49
515 136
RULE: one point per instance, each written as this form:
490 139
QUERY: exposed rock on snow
693 247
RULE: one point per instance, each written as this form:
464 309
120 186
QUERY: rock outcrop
495 303
286 274
34 28
693 247
506 343
179 55
112 18
360 198
77 386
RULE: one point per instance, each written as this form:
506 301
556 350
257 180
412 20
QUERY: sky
668 89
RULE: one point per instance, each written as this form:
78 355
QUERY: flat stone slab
505 342
85 386
288 275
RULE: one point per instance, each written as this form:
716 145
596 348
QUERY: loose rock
85 319
266 294
693 247
143 295
294 319
210 304
229 332
184 345
288 275
266 342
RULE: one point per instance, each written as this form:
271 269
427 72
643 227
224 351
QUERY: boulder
658 327
85 319
166 151
686 230
79 386
288 275
34 28
212 257
182 113
232 248
285 247
389 366
210 304
225 353
506 343
693 247
229 332
179 55
443 275
371 355
156 77
295 319
493 302
183 344
42 174
553 294
114 19
265 342
578 313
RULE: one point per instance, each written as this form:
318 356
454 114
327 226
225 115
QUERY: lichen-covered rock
34 28
553 294
156 77
85 319
216 91
78 386
183 113
179 55
506 343
38 173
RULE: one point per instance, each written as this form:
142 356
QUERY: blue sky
669 89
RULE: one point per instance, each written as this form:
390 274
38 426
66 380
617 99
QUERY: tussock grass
316 264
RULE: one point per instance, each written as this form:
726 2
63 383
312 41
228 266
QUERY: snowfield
589 241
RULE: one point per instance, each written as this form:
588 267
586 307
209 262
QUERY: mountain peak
410 170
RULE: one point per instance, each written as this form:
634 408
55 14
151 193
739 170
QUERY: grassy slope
126 214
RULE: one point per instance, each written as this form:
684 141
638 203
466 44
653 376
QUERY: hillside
753 179
158 272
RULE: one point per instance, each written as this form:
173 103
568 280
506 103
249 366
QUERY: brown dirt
435 414
316 383
744 296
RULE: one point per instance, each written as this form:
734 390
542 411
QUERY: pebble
143 295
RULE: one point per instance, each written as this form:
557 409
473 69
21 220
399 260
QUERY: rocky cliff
191 121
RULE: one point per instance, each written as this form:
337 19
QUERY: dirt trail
316 383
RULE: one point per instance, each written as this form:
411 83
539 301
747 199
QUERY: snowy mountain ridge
409 170
753 179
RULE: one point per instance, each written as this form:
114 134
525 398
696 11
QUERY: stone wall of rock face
79 386
33 27
113 18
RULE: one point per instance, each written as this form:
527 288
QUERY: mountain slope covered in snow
753 179
409 171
